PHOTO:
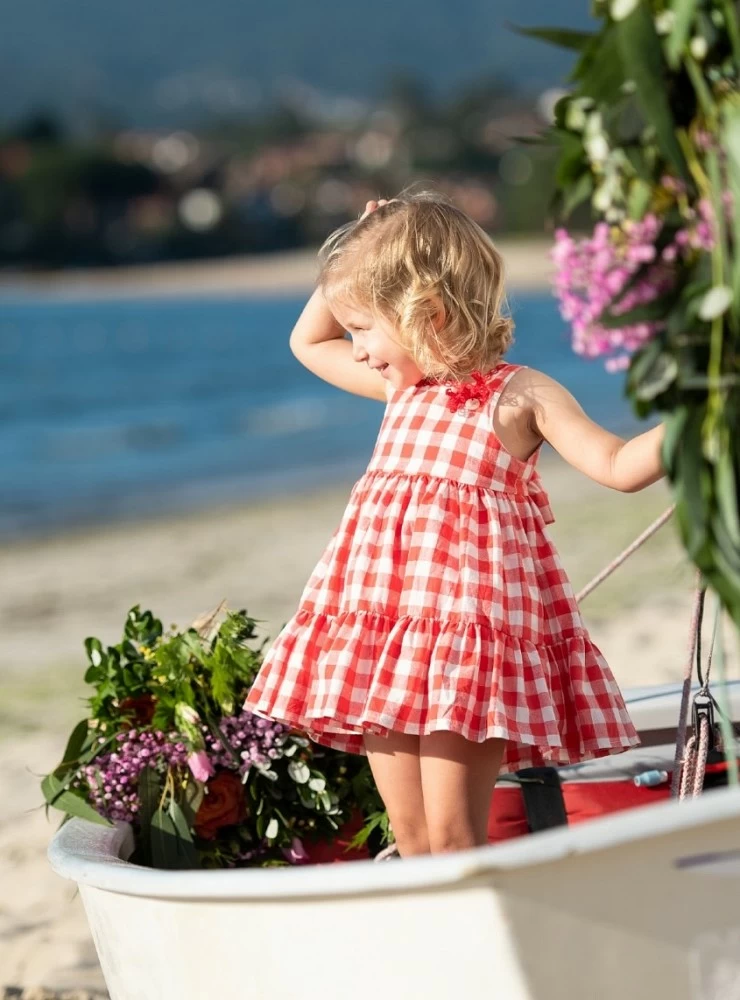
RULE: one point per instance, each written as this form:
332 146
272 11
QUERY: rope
696 615
695 762
640 540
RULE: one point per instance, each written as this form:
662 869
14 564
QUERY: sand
288 272
257 556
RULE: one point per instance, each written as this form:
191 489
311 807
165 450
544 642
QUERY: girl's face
374 344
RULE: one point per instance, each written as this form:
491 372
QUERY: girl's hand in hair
371 206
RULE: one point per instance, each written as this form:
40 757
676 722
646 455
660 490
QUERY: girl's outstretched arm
622 465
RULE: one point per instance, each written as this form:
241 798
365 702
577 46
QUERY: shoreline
291 272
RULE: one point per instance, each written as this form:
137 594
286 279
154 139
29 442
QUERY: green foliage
182 683
656 95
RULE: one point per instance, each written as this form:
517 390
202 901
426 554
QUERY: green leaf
684 11
649 312
172 844
642 58
578 192
675 424
566 38
69 802
657 379
75 745
638 199
727 496
731 145
692 507
604 70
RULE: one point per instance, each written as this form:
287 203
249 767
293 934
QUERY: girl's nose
359 353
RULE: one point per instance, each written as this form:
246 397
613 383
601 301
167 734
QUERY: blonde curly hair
409 257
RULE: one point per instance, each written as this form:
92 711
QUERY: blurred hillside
144 133
160 63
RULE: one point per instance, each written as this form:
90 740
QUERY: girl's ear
440 315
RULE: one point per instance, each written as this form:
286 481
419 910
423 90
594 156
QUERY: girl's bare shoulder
515 414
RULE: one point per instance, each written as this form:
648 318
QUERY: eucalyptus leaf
731 145
716 301
171 842
662 374
603 76
727 495
69 802
642 58
648 312
75 744
638 199
299 771
566 38
578 192
675 424
684 11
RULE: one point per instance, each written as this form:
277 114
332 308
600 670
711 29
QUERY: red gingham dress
440 602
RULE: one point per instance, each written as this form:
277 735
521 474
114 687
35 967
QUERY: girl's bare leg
457 781
394 762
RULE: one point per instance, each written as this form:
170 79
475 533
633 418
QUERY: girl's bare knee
444 838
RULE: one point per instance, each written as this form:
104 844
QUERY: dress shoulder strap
499 379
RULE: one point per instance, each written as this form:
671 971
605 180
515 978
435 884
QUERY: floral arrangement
649 145
205 785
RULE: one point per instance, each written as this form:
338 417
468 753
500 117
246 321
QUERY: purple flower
296 852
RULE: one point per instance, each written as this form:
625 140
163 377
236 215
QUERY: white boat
643 903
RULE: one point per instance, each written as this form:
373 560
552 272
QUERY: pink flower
200 765
591 274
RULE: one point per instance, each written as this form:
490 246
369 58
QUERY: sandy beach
256 556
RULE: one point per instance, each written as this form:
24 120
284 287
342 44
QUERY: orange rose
223 805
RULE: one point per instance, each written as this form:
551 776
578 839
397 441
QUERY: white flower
594 123
715 302
664 22
622 8
597 148
575 115
602 198
698 47
186 713
628 87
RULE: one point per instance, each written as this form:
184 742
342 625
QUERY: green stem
733 31
719 277
706 100
725 716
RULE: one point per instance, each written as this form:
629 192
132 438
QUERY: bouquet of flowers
649 142
204 784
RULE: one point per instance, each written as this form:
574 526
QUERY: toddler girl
439 634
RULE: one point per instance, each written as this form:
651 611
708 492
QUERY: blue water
114 409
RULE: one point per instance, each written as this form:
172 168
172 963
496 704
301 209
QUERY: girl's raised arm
319 343
628 466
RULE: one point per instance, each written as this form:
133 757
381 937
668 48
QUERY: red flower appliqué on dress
466 395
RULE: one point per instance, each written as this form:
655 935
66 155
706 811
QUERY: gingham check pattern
440 602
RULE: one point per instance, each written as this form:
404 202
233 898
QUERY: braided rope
696 613
695 762
615 563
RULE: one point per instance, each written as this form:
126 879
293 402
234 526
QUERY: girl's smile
373 343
